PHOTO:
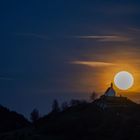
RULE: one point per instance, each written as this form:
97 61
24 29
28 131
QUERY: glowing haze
66 49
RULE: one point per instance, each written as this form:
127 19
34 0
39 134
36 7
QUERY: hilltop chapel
110 100
110 91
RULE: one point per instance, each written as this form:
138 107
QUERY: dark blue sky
42 40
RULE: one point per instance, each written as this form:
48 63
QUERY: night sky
58 49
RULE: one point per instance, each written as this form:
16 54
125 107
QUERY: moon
124 80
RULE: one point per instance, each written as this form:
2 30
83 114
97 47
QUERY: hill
119 119
10 120
111 118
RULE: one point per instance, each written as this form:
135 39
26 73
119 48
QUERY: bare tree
55 106
74 102
34 115
64 106
93 96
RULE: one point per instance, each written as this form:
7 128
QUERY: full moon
123 80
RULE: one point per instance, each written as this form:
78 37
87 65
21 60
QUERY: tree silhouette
93 96
64 106
74 102
34 115
55 107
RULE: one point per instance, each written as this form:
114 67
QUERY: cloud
134 29
32 35
106 38
6 78
116 9
93 63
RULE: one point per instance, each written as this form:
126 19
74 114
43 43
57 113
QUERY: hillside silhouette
10 120
112 118
119 120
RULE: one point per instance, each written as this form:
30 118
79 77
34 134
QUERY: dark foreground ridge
111 118
10 120
106 118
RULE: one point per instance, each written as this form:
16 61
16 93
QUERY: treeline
57 107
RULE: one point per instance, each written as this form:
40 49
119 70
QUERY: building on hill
110 100
110 91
